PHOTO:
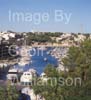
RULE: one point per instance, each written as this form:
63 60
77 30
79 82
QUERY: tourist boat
12 74
27 77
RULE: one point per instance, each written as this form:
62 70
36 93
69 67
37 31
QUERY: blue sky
80 10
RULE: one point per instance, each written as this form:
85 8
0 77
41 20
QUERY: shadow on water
3 72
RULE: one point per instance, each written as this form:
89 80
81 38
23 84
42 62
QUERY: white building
12 35
27 77
7 35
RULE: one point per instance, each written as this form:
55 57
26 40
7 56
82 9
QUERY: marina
38 61
45 50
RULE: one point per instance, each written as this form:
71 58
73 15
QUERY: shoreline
50 45
9 62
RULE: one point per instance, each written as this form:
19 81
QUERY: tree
78 62
8 93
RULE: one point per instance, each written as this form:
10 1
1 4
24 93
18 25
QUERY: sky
46 15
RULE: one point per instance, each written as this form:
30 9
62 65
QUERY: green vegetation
78 61
42 37
39 38
8 93
56 34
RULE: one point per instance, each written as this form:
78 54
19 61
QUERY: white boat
27 77
56 56
21 63
45 59
12 74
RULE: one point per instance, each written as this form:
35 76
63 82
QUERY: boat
49 52
27 77
12 75
22 63
45 59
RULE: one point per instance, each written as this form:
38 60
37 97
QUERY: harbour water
37 60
